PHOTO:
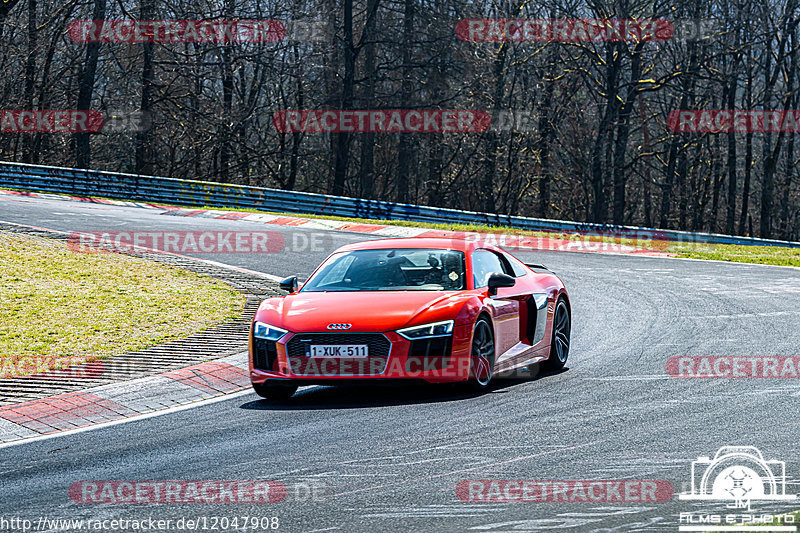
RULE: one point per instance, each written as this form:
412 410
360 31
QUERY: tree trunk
366 169
492 137
646 192
348 82
790 162
623 132
227 115
748 152
773 153
83 155
598 181
676 154
144 138
30 79
719 179
404 153
767 162
297 137
546 129
730 103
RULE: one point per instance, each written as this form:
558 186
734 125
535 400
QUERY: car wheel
482 356
275 391
559 344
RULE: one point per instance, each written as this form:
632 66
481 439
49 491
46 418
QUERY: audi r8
432 309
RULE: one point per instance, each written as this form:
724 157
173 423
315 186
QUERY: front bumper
442 361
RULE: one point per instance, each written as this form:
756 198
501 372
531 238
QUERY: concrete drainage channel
214 343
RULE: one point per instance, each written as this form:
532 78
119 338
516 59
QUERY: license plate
337 350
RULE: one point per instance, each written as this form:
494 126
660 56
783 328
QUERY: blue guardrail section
172 191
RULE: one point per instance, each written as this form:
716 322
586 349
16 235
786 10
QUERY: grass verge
764 255
63 307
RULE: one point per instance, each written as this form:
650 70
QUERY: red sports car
432 309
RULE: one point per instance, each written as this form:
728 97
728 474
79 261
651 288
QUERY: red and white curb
116 402
513 242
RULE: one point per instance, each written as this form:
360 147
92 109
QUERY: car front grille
297 350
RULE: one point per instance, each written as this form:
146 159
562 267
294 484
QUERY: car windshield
394 269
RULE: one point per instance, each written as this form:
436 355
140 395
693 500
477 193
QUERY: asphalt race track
388 459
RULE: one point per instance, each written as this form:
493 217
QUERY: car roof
436 243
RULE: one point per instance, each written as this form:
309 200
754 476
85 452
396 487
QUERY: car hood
365 311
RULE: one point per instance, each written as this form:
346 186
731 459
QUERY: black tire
482 355
275 391
559 343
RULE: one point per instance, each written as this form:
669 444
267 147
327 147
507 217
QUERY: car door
533 301
505 307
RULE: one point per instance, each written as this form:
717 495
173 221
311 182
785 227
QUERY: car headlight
426 331
268 332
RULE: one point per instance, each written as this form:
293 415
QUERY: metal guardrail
193 193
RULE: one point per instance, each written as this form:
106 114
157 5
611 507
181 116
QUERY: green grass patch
764 255
64 307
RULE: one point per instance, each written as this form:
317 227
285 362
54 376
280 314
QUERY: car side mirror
498 280
289 284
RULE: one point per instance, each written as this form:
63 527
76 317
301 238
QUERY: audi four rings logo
340 326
